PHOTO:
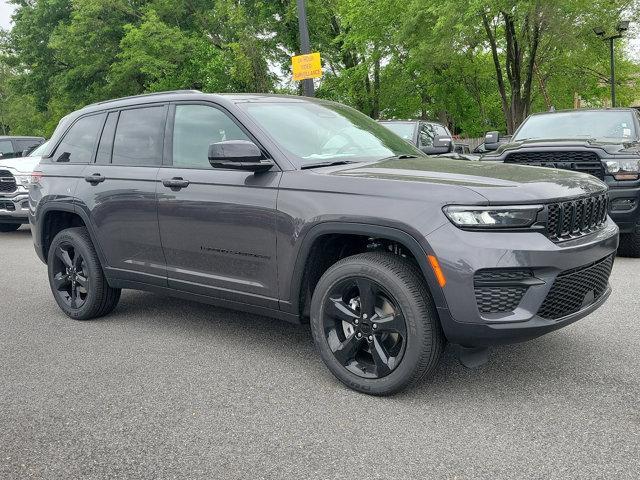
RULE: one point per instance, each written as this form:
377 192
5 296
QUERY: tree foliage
474 64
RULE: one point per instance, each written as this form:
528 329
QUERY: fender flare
370 230
68 207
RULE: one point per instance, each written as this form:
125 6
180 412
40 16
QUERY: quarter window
197 126
77 145
139 137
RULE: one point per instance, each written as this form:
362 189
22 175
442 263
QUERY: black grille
498 299
7 205
7 181
585 162
569 291
575 218
495 290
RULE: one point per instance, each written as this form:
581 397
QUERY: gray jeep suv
305 209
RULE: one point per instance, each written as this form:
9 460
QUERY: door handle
175 183
95 179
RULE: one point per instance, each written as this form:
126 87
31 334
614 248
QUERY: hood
610 148
495 181
21 164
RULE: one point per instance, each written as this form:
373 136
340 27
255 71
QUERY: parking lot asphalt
165 388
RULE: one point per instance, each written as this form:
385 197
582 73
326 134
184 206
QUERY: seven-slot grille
576 289
585 162
7 182
574 218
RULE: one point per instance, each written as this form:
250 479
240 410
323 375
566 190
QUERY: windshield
326 132
402 129
600 125
39 151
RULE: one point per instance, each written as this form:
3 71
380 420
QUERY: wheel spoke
380 358
77 261
64 257
338 309
81 280
347 349
75 296
367 292
60 280
393 323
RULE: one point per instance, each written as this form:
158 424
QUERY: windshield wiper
327 164
399 157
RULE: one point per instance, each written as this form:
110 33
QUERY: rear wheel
9 227
374 323
76 277
629 245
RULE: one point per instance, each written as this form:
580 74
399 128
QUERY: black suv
602 143
303 209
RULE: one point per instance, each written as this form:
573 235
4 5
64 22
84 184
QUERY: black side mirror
441 144
238 155
492 140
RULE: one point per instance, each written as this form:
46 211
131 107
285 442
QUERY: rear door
119 193
218 230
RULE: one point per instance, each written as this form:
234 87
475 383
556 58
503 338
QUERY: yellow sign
306 66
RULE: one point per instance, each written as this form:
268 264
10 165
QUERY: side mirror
492 140
26 152
441 144
238 155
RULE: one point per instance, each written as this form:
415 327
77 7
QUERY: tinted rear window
78 143
139 137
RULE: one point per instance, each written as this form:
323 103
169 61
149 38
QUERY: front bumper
463 253
14 207
624 205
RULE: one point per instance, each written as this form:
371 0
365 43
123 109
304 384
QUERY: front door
217 226
119 192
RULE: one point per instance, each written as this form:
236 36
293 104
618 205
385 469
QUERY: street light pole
622 27
305 46
613 71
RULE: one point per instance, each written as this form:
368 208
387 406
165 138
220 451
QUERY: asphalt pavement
169 389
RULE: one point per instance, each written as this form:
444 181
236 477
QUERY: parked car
15 177
307 210
430 137
11 147
603 143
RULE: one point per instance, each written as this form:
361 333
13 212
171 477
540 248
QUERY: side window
6 149
139 137
26 145
197 126
77 145
106 140
426 135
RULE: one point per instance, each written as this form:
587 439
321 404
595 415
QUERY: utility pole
622 27
305 46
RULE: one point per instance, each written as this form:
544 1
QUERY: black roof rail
143 95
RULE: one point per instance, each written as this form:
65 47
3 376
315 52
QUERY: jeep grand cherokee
305 209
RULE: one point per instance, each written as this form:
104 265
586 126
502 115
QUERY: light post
305 46
622 27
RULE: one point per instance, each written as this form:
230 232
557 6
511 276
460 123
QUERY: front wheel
629 245
76 278
374 323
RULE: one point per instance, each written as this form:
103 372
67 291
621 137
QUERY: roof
19 137
609 109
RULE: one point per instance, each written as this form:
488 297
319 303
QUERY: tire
9 227
629 245
76 277
398 287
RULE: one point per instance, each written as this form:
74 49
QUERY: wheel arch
391 234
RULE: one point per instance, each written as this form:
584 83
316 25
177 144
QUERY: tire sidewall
417 328
94 271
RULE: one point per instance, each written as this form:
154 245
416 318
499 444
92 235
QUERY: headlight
624 169
493 217
23 180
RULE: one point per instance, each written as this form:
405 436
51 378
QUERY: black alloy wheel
364 327
77 280
70 280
